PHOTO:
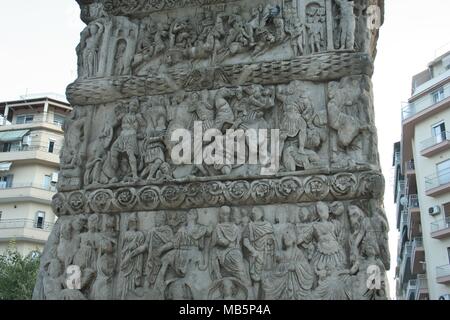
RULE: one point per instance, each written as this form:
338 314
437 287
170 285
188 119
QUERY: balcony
443 274
23 192
414 227
417 256
29 153
405 262
42 119
427 104
28 229
440 229
410 168
422 287
438 184
411 290
435 145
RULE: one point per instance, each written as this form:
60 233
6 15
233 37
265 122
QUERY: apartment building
422 187
31 136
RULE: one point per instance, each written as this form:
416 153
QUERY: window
40 217
47 182
51 146
11 146
439 132
58 119
6 181
443 172
24 119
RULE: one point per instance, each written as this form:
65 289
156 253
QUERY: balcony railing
5 185
38 118
417 243
440 225
421 104
410 166
437 180
443 271
413 201
32 148
397 158
411 289
25 223
431 142
404 219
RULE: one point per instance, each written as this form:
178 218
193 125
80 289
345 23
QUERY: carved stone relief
139 223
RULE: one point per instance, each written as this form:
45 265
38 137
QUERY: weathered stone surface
134 223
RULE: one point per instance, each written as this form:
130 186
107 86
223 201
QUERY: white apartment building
422 189
31 136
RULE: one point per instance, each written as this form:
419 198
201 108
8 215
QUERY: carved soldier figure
315 33
127 142
259 239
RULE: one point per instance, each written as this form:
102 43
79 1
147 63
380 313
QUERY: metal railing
437 180
37 118
425 102
413 201
411 288
25 223
417 243
440 225
404 219
33 148
397 158
443 271
410 165
431 142
4 185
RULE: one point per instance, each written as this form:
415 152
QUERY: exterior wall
435 250
19 205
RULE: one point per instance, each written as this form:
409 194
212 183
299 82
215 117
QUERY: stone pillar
138 222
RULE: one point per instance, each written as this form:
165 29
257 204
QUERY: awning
5 166
11 136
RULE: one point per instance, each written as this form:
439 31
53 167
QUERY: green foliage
18 274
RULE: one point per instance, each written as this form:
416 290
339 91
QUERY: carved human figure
315 33
296 31
293 277
66 247
259 239
86 256
153 148
224 113
120 58
159 242
91 37
227 258
347 25
131 264
329 254
53 280
106 262
127 141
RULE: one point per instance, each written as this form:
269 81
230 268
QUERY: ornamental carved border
203 194
321 68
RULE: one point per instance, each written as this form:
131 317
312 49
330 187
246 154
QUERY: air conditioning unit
26 140
55 177
434 211
445 297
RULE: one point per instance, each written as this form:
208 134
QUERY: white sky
37 54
